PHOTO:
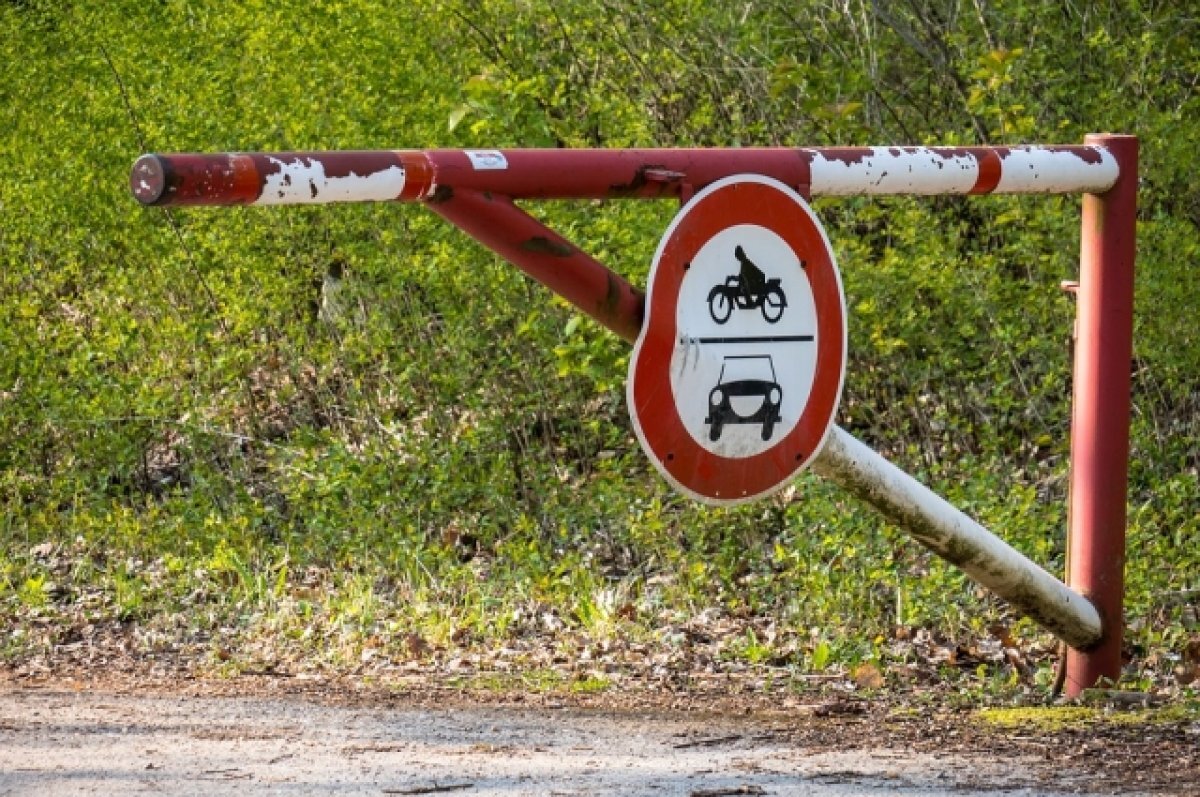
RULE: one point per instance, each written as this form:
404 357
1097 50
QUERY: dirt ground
130 732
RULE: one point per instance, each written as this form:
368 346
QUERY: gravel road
59 741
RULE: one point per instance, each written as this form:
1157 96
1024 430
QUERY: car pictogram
747 392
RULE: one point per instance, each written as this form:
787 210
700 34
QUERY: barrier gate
476 191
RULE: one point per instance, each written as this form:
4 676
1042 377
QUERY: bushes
169 388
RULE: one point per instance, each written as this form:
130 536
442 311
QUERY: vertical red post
1101 411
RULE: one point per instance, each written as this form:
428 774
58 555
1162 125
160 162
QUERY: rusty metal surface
285 178
1100 412
961 170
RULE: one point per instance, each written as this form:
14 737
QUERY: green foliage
453 444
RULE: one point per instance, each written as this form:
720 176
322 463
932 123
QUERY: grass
542 681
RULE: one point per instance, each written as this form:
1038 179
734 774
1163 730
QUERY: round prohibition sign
738 370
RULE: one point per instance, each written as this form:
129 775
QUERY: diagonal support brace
948 532
543 254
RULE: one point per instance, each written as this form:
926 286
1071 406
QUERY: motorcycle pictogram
747 290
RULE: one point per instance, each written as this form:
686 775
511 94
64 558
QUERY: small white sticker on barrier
487 159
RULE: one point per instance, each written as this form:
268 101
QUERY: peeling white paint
891 170
1044 171
948 532
303 182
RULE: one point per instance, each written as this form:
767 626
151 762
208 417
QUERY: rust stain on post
226 179
543 244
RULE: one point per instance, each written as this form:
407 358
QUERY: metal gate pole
1100 413
948 532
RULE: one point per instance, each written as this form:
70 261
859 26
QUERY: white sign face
744 363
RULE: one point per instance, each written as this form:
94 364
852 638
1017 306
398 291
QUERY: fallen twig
434 789
707 742
269 672
729 792
225 774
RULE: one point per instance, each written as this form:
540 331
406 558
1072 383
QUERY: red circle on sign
761 202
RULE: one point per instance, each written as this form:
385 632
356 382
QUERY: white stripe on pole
893 170
957 538
1038 170
922 170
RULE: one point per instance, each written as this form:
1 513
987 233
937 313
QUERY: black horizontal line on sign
757 339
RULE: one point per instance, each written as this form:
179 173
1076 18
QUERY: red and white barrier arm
412 175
